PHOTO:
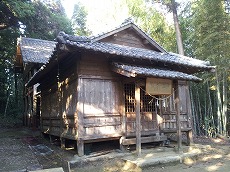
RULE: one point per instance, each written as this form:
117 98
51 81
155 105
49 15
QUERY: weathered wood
130 38
121 140
95 65
174 130
123 72
62 142
102 124
143 133
80 108
80 147
189 138
138 119
106 137
178 122
149 139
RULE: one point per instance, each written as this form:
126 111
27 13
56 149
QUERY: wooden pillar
62 142
123 125
138 119
189 138
178 122
80 147
122 148
80 111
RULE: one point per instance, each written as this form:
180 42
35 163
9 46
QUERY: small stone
34 167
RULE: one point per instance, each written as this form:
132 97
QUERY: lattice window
129 97
148 103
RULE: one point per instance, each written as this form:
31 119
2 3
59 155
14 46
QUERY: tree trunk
177 28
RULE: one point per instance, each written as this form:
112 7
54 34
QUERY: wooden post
123 125
122 148
62 142
138 119
178 122
80 147
80 111
189 138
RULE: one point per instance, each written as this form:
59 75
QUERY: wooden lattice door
148 112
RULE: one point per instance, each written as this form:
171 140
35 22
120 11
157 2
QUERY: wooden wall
128 37
59 100
99 104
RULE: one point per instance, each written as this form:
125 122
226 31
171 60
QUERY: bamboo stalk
211 109
193 111
225 104
219 106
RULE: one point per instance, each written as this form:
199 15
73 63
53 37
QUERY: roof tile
36 50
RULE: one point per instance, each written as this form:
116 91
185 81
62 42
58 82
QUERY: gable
130 38
128 34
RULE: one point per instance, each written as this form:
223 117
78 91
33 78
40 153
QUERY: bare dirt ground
22 149
218 160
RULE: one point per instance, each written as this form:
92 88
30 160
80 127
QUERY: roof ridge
63 38
128 21
36 39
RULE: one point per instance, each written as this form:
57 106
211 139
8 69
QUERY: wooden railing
169 122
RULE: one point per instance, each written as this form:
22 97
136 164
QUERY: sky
103 15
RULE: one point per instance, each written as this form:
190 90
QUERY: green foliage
79 19
211 29
37 19
12 11
7 50
48 19
153 23
185 19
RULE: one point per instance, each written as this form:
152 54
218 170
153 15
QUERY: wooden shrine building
118 85
31 55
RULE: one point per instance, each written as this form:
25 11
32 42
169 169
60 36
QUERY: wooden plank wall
59 100
128 37
50 121
69 110
60 123
99 99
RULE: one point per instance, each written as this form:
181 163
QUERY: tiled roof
153 72
62 37
170 63
36 50
127 24
139 53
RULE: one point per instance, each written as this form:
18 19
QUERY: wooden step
149 139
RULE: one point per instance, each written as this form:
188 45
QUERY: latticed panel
129 97
147 103
147 108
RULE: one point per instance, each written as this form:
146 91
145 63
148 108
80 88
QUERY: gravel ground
16 155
